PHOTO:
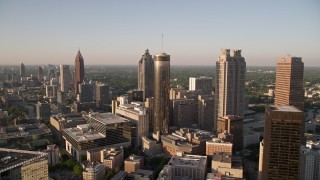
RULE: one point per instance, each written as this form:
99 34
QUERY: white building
53 154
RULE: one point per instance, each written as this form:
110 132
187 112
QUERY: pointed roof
79 56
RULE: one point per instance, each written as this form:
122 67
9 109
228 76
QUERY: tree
77 170
109 175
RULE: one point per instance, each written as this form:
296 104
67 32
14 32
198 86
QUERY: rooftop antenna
162 43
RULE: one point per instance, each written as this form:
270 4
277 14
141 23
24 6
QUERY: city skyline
114 33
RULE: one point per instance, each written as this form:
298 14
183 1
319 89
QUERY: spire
79 56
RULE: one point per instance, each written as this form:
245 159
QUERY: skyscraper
22 70
282 140
289 82
230 83
145 75
65 78
161 94
102 95
79 71
40 73
201 83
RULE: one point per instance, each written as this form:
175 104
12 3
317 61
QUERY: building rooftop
284 108
107 118
11 158
83 133
134 158
193 161
222 157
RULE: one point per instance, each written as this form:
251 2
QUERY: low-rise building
53 154
18 164
112 157
94 171
223 163
133 163
218 145
182 166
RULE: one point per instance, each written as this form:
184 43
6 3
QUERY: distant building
84 106
206 112
94 171
65 78
18 164
3 118
133 163
53 154
282 140
40 74
230 83
86 92
51 91
102 95
146 75
79 71
234 125
183 112
289 82
43 110
201 83
135 96
22 70
161 94
183 166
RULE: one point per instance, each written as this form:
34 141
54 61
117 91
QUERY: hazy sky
118 32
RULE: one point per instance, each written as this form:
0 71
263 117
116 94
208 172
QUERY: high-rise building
206 112
201 83
230 83
234 125
22 70
161 94
102 95
40 73
43 111
310 163
145 75
282 140
86 92
51 91
79 71
260 160
65 78
182 112
289 82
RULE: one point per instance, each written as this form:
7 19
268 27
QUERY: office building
22 70
135 96
94 171
182 166
289 82
86 92
234 125
53 154
282 140
28 165
79 71
183 112
102 95
137 114
161 94
133 163
226 165
112 157
217 145
206 112
149 104
40 73
43 110
260 160
146 75
202 83
65 78
51 91
230 83
309 163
